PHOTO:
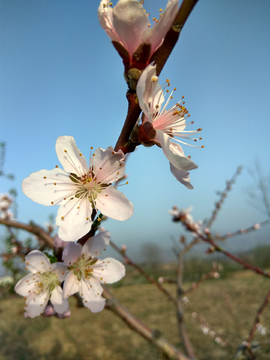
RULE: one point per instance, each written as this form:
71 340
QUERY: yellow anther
202 146
62 217
167 80
52 202
56 166
174 89
78 207
80 154
54 183
87 218
45 177
126 182
160 10
92 147
65 151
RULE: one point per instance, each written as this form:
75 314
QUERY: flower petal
71 285
91 291
24 285
108 165
70 156
72 253
130 22
74 219
96 304
48 187
147 89
36 261
57 299
181 176
105 17
109 270
94 246
114 204
35 304
60 270
156 34
173 153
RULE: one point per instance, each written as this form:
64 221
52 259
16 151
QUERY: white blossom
42 285
79 189
86 273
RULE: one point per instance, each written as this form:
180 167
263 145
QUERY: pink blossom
128 24
162 125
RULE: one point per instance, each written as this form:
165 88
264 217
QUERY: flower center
46 282
83 268
87 186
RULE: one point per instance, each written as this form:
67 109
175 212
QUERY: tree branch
153 336
33 229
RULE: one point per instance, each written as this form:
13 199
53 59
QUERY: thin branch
223 195
179 308
133 113
257 317
243 231
33 229
215 247
141 271
151 335
164 51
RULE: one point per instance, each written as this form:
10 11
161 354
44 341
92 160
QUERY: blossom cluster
6 202
81 272
85 192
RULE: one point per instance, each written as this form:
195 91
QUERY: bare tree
259 192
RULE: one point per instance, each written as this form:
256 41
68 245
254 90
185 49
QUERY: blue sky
59 75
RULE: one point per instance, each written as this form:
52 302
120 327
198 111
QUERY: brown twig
164 51
133 113
179 307
257 317
223 195
195 285
153 336
33 229
141 271
231 312
215 247
243 231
